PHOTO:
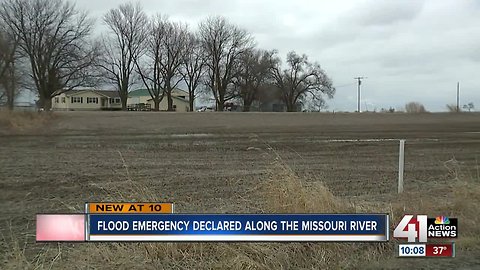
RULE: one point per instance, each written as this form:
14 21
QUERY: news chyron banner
237 227
158 222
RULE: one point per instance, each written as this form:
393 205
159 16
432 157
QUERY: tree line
49 47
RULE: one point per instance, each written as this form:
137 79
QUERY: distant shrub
415 107
389 110
470 106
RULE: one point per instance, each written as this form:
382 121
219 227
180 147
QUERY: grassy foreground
12 122
281 192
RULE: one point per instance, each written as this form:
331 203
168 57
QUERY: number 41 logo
412 228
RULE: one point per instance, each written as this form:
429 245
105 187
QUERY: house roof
109 93
144 92
139 93
106 93
180 91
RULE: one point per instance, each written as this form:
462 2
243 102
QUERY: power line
344 85
359 81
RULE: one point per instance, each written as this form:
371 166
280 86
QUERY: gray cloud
386 12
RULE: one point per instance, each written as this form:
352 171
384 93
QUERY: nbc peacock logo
442 220
442 227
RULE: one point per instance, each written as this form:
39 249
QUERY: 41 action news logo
421 227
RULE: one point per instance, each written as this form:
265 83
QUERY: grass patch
282 191
18 122
285 192
465 206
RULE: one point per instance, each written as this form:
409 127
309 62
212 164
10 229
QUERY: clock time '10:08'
412 250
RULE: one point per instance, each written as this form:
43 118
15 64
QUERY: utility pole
458 97
359 80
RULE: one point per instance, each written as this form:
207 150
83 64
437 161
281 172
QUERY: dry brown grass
465 206
17 122
281 192
285 192
15 257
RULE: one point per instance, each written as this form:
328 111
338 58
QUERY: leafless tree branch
224 43
54 37
300 80
128 25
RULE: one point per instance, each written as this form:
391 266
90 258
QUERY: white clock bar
412 250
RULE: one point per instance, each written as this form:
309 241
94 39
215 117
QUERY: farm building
270 100
87 99
141 98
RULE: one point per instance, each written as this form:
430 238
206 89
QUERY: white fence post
401 162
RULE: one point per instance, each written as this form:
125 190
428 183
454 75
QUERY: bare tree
193 68
224 43
470 106
415 107
53 35
301 80
8 74
452 108
255 68
128 27
314 105
159 66
148 63
174 44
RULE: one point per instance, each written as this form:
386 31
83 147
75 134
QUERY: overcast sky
410 50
